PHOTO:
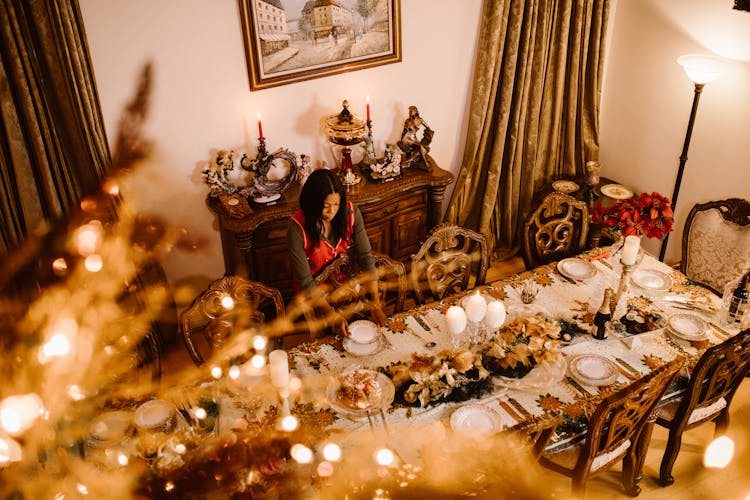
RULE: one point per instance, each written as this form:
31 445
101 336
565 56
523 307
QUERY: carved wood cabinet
398 215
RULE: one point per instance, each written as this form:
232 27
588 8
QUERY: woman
325 226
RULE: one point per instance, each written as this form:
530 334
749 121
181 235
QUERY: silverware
569 280
427 343
724 332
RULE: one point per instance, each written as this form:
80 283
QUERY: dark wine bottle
603 316
738 304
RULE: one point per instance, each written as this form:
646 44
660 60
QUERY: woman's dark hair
318 185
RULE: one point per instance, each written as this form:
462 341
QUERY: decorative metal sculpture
274 172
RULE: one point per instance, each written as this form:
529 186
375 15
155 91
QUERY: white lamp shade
700 68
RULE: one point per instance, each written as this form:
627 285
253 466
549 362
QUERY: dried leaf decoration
525 341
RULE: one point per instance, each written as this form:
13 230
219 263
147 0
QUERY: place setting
592 370
358 393
575 269
365 339
475 420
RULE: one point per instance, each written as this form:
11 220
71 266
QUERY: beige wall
646 103
201 101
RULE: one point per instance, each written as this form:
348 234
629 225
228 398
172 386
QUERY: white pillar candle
630 250
476 307
456 319
495 315
278 365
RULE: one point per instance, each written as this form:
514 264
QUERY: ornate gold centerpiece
346 129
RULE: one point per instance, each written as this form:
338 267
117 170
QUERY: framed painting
289 41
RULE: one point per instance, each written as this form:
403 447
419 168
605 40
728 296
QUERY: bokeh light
88 238
325 469
260 342
719 453
94 263
301 453
289 423
332 452
258 361
384 457
18 413
227 302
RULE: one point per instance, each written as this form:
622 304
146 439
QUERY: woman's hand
340 326
377 315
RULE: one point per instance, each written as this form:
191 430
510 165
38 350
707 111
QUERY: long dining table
548 390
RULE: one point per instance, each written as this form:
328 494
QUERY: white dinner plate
357 349
652 280
616 191
565 187
363 331
592 369
387 392
576 268
688 327
476 420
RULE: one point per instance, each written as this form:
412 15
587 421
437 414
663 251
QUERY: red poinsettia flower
650 214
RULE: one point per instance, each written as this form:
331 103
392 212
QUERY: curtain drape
534 110
53 148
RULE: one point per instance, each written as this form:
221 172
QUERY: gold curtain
534 111
53 148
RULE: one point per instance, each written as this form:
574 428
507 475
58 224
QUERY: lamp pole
700 69
683 160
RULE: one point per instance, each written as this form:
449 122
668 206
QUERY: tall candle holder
369 156
622 287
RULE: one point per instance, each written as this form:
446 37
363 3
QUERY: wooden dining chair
555 229
452 259
229 304
344 275
716 377
618 429
716 242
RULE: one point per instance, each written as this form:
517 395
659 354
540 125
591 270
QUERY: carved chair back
713 383
716 242
452 259
229 304
391 275
556 229
615 430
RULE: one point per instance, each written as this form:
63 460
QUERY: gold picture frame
318 38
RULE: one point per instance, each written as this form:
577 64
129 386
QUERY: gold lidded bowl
345 128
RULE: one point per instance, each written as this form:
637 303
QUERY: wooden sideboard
398 215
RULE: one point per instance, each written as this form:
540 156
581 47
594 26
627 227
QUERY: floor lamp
701 69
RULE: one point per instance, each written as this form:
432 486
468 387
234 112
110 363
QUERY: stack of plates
476 420
592 369
687 327
364 339
576 269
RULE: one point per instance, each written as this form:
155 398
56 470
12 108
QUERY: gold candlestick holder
622 287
